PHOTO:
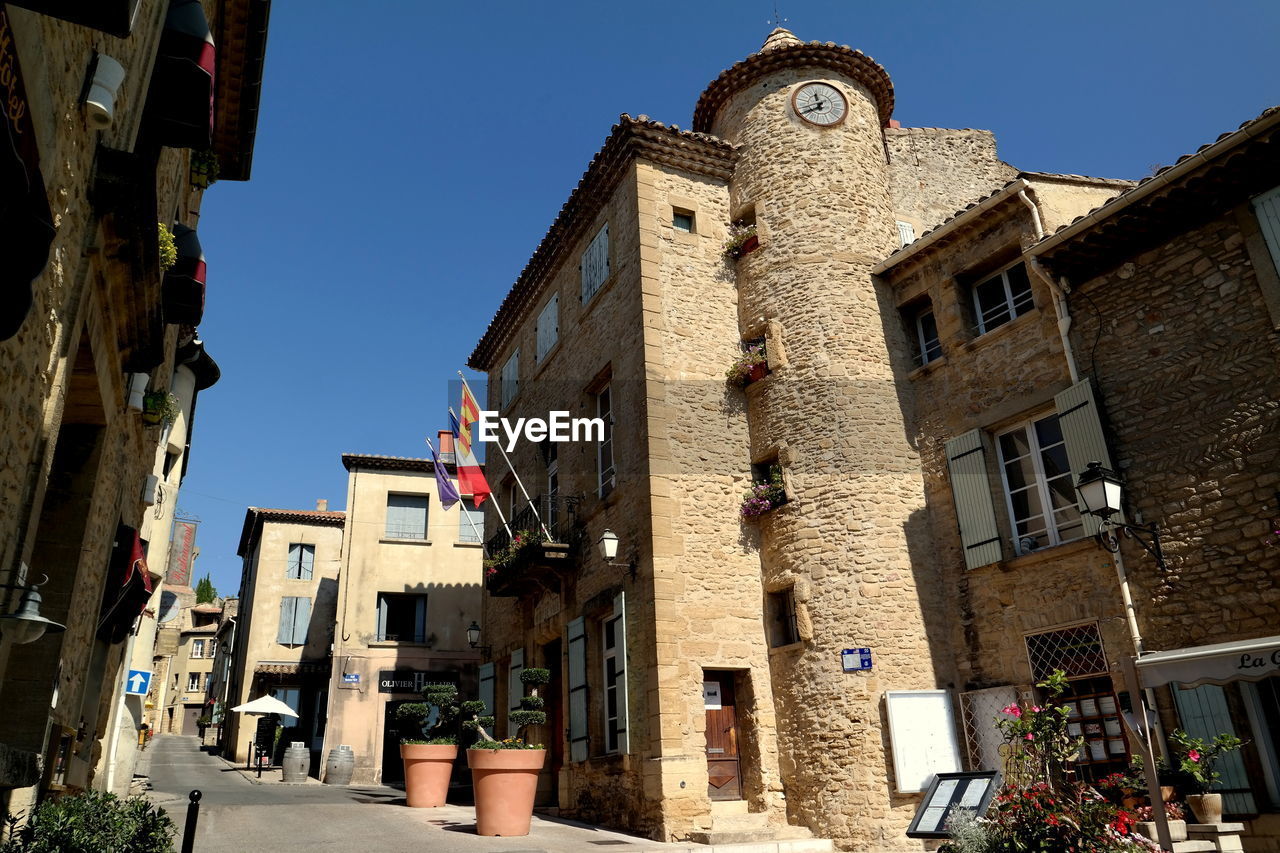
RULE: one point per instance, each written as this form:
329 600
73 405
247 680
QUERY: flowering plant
739 373
1196 759
521 541
1172 811
762 497
739 234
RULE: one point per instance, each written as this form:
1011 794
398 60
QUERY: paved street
238 815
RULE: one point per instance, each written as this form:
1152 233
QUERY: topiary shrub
94 822
530 713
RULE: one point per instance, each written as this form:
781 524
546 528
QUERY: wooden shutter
301 620
577 690
620 650
1204 714
420 619
1267 208
515 689
975 512
382 618
293 570
287 609
307 561
486 688
1082 433
548 326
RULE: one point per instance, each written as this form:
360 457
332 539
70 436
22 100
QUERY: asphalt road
237 815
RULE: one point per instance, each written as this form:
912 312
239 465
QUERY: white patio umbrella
266 705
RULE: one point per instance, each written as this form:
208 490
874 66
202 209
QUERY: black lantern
473 634
1100 490
27 625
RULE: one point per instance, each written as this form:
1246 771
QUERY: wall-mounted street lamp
27 625
473 639
1101 491
608 545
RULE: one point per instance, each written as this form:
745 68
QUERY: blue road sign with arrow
138 682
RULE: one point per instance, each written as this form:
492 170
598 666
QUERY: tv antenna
777 19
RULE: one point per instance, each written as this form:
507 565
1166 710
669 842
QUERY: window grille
1077 651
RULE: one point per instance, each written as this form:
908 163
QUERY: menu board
949 793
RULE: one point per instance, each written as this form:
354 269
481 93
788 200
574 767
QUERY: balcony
534 561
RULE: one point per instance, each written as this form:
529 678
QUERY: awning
180 102
115 17
26 226
1242 660
182 294
302 668
128 587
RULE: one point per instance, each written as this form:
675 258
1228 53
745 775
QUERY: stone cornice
840 58
632 139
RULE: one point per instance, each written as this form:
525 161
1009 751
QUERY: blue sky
410 156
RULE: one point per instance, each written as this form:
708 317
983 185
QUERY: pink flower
1012 711
1194 755
1036 708
1030 736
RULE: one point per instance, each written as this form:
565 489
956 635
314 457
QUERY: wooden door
724 779
191 713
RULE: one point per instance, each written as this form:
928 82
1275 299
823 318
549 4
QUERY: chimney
322 505
445 445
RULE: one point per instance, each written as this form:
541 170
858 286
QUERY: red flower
1193 754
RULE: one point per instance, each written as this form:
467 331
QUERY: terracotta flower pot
749 245
757 372
1206 807
505 782
427 768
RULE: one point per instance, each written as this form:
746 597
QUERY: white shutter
548 326
967 461
620 650
1083 436
906 233
486 688
287 607
577 690
515 689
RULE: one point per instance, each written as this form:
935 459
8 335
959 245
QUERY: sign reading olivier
412 680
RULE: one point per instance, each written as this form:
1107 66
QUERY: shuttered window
511 379
1203 713
577 690
406 516
470 523
1039 486
485 693
1267 208
615 677
906 233
295 616
1081 423
548 326
595 264
966 459
515 689
302 559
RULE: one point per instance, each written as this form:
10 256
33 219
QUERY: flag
471 479
470 414
448 492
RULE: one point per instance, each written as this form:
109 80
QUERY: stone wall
935 172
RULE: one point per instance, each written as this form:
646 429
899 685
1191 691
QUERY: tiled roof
387 463
255 515
631 138
784 53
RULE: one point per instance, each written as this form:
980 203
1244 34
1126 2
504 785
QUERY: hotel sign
412 680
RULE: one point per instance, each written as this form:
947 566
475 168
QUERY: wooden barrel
340 765
296 763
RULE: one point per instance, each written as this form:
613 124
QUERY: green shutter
975 512
577 690
620 643
1082 433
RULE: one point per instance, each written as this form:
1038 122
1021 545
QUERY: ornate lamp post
1101 491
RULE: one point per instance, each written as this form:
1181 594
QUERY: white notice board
922 734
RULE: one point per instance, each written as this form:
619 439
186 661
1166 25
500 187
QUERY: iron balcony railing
558 513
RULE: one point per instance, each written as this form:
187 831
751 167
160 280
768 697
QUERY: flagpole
512 468
493 501
467 515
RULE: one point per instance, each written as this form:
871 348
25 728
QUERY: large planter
505 782
1207 807
427 768
1177 829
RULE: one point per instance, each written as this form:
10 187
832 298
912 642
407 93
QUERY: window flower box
764 496
751 366
743 240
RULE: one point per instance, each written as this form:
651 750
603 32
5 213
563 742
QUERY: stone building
284 625
408 588
919 394
107 105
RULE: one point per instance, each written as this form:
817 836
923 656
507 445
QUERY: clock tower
851 546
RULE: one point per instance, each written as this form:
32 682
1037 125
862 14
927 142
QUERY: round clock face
820 104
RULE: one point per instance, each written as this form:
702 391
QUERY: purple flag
448 492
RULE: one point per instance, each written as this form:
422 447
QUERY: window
510 379
682 220
614 656
782 628
295 618
906 233
406 516
923 329
578 698
197 649
548 327
606 479
553 484
193 682
470 523
1002 297
290 696
595 264
1039 485
402 617
1267 208
302 560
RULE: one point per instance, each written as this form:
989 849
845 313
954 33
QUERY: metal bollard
193 817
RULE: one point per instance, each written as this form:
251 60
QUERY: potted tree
429 755
159 407
504 773
1196 761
